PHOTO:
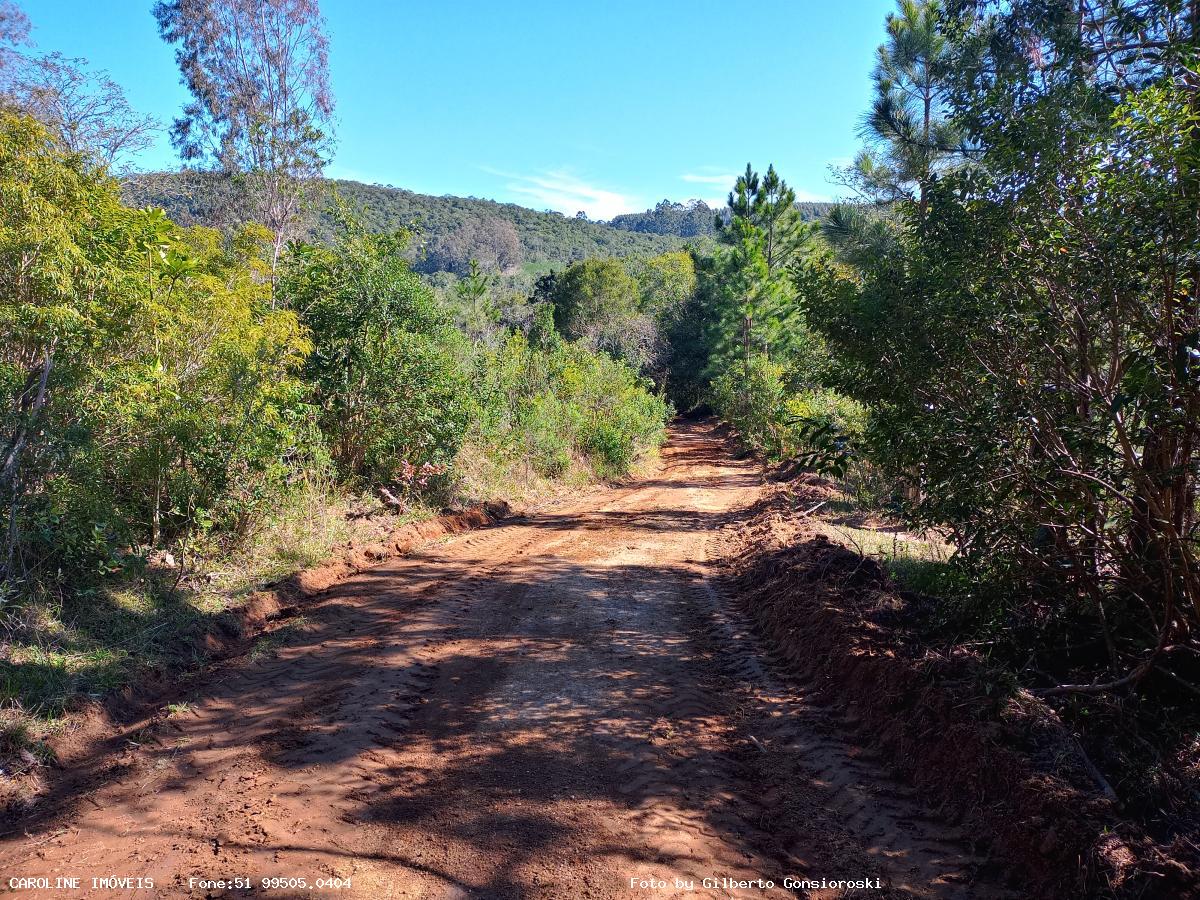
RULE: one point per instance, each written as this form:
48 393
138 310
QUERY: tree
763 235
147 389
914 138
481 315
85 110
773 212
592 296
258 74
1029 343
666 282
14 31
384 368
691 219
492 242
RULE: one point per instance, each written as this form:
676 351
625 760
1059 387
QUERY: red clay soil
556 706
285 598
1002 766
93 727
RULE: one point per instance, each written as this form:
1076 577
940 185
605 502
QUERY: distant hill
451 230
692 219
695 218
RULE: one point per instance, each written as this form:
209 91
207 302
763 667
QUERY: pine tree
764 233
908 124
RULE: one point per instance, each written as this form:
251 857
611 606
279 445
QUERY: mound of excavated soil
995 759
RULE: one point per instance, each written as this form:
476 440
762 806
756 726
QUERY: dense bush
781 422
149 386
1027 332
551 402
384 372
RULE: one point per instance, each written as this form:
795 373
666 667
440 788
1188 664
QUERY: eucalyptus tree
85 109
14 31
262 107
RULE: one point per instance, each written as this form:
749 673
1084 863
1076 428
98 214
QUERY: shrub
550 403
817 425
751 398
150 387
386 370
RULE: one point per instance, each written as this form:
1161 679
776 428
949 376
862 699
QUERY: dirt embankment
285 598
993 758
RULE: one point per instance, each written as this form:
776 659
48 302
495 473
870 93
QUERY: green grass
89 643
896 549
924 576
919 563
60 650
18 744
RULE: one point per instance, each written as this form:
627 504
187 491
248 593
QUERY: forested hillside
449 231
695 218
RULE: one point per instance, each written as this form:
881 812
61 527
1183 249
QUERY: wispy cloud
720 180
560 190
710 177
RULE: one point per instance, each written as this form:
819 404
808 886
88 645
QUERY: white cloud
560 190
717 180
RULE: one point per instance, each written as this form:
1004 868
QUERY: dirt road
550 707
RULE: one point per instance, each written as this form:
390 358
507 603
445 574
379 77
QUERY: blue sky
606 107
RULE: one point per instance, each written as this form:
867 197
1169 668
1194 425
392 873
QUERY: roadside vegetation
996 343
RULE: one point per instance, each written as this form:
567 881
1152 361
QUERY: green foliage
913 134
695 218
623 306
594 301
160 388
547 404
665 283
752 296
1026 337
751 398
149 389
384 368
478 315
815 425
